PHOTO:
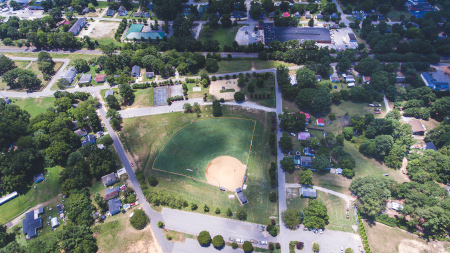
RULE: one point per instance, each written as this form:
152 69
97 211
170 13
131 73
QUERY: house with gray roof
430 146
109 93
114 206
90 139
135 71
85 78
109 179
70 74
305 161
111 193
76 28
307 192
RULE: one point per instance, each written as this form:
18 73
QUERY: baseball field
214 151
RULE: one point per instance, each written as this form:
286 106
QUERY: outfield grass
34 106
146 135
225 36
45 190
197 144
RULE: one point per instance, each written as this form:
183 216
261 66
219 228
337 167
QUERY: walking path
347 198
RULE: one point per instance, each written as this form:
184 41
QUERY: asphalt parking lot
160 95
340 40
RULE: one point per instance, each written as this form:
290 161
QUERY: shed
430 146
350 79
319 16
241 196
352 37
366 79
308 15
320 122
417 127
80 132
304 136
109 93
7 100
305 161
146 14
85 78
95 215
90 139
114 206
318 78
334 78
309 151
60 208
109 179
54 222
8 197
150 74
135 71
308 192
38 178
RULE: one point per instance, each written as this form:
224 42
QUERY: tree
349 250
5 237
316 215
290 218
211 65
255 11
305 78
217 108
287 164
13 124
241 214
218 242
112 102
55 13
77 239
239 96
139 220
101 202
59 152
285 142
368 66
126 92
322 100
79 207
316 247
292 122
383 145
311 22
229 213
160 224
273 196
305 177
321 163
80 65
247 246
6 64
226 20
187 108
109 50
204 238
344 64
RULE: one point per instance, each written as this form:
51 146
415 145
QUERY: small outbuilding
54 222
80 132
89 139
241 196
352 37
60 208
320 122
307 192
304 136
150 74
309 151
38 178
430 146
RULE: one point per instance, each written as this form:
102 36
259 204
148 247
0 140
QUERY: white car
292 134
239 241
263 242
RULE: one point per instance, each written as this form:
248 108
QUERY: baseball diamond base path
226 172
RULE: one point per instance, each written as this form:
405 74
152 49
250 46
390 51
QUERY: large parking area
340 39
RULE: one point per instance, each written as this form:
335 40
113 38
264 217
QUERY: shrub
273 196
217 211
213 78
247 246
105 140
234 245
193 206
204 238
239 96
271 247
139 220
218 242
222 100
206 208
153 181
278 246
160 224
241 214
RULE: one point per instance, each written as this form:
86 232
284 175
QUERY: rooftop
416 126
109 179
301 34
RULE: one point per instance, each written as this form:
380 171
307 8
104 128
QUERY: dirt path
19 218
253 66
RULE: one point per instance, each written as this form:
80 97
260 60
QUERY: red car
132 165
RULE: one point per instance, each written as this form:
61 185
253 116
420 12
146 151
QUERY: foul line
178 174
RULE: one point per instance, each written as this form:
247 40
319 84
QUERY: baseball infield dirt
227 172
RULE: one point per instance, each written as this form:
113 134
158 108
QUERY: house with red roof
320 122
100 78
286 14
307 116
366 79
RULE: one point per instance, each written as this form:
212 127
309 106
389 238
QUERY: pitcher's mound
225 171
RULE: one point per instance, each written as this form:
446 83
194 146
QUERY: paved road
191 245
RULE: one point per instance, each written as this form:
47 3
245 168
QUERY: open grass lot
117 235
72 56
394 15
243 65
268 88
146 135
45 191
19 64
225 36
197 144
337 212
384 239
143 97
34 106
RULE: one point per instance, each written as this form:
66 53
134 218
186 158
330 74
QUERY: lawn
117 235
34 106
244 65
45 191
394 15
143 97
225 36
72 56
101 5
145 136
107 41
268 88
203 141
337 213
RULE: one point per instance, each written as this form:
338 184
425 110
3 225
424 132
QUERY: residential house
318 78
114 206
146 14
320 122
238 14
334 78
109 93
85 79
80 132
397 206
334 15
350 79
76 28
54 222
38 178
137 14
417 127
304 136
319 16
366 79
110 13
433 83
70 74
135 71
32 222
111 193
297 15
100 78
122 12
109 179
352 37
150 6
150 74
430 146
309 151
306 115
400 79
307 192
293 80
308 15
35 8
7 100
305 161
241 196
85 10
381 17
90 139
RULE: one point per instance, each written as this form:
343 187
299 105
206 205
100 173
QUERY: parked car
231 239
370 105
386 175
239 241
254 241
132 165
321 231
263 242
292 134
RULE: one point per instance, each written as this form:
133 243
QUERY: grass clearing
145 135
143 97
30 197
116 235
240 65
337 213
394 15
71 56
34 106
225 36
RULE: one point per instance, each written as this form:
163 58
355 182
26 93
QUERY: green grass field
239 65
197 144
225 36
34 106
45 191
337 213
143 97
145 136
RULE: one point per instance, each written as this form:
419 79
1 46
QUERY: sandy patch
411 246
98 30
217 86
227 172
